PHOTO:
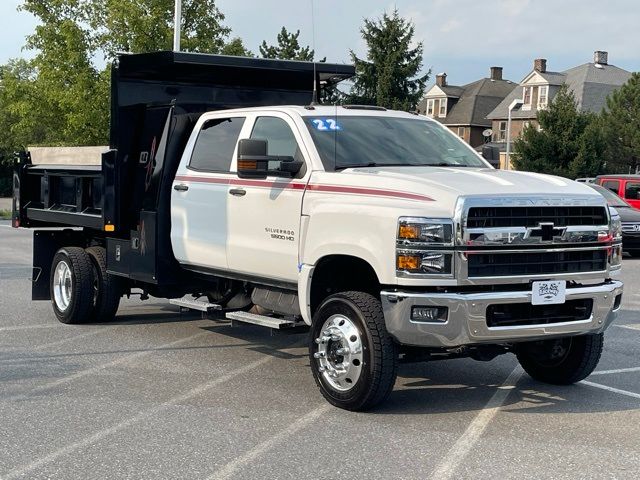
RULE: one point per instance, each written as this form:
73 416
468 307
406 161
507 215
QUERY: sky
462 38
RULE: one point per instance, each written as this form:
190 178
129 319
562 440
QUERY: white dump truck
381 231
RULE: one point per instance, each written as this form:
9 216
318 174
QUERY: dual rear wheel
81 289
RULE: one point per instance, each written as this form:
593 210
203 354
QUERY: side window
215 144
632 191
279 137
612 185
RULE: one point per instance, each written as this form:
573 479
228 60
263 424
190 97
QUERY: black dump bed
156 98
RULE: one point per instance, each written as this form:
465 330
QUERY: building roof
474 101
589 83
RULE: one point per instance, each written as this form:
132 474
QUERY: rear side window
632 191
612 185
216 142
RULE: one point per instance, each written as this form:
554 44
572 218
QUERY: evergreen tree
568 142
388 77
288 48
621 127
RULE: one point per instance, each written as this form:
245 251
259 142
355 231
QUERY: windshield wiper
370 164
444 164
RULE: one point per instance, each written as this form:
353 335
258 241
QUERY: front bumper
467 325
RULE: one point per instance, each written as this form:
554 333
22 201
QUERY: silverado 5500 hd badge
280 234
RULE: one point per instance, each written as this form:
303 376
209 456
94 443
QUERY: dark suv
630 220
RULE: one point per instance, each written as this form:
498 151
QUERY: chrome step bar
262 320
191 303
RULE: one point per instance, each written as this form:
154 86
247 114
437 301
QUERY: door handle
238 192
181 187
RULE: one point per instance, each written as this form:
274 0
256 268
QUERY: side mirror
253 161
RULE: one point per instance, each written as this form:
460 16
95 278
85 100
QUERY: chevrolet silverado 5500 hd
380 230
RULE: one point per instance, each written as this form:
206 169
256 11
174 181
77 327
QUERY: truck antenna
314 98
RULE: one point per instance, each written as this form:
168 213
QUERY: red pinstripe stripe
301 186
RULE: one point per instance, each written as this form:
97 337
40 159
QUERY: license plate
548 292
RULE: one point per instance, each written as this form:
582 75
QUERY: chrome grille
506 264
532 216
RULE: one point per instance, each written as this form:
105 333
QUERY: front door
264 215
632 193
200 193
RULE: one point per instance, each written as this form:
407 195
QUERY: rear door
632 193
265 215
200 192
613 185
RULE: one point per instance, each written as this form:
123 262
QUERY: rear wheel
562 361
107 288
353 358
71 285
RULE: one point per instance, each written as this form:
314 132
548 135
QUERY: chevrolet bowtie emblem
546 231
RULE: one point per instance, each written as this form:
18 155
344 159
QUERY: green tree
236 48
568 142
288 48
621 127
388 77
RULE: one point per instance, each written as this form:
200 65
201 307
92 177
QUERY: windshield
352 141
612 199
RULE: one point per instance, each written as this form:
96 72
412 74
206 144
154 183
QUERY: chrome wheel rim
340 353
62 286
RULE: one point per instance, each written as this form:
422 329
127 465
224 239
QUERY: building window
525 124
543 94
502 131
526 95
430 107
461 132
443 108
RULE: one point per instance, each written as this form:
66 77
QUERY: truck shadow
475 384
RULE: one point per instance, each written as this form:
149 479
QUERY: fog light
429 314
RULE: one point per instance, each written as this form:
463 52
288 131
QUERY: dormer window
443 108
543 96
430 107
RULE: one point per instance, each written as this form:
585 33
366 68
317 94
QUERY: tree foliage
569 142
287 48
389 76
621 127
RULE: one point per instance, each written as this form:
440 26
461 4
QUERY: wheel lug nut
318 340
319 355
321 369
335 338
342 351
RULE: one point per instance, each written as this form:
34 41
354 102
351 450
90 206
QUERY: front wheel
353 358
562 361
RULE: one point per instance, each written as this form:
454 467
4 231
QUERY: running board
262 320
193 304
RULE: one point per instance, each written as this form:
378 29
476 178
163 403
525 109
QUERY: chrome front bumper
467 325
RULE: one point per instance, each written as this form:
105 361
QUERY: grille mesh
492 217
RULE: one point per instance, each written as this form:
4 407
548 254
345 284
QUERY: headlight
418 247
616 226
425 231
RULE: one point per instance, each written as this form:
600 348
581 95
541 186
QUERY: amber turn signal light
109 228
408 262
409 231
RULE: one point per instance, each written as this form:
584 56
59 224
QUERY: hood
446 184
628 214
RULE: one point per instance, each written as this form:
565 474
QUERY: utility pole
177 22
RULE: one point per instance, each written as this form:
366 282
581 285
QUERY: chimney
540 65
441 79
496 73
600 57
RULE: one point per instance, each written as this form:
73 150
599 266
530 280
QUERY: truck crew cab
380 230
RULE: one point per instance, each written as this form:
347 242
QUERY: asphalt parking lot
161 395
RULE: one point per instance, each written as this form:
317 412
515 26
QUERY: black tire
76 308
107 287
379 352
563 361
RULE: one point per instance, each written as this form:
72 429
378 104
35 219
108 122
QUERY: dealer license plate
549 292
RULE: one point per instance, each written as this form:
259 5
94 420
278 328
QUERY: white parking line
20 471
472 434
611 389
232 467
635 327
97 368
29 327
619 370
71 339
